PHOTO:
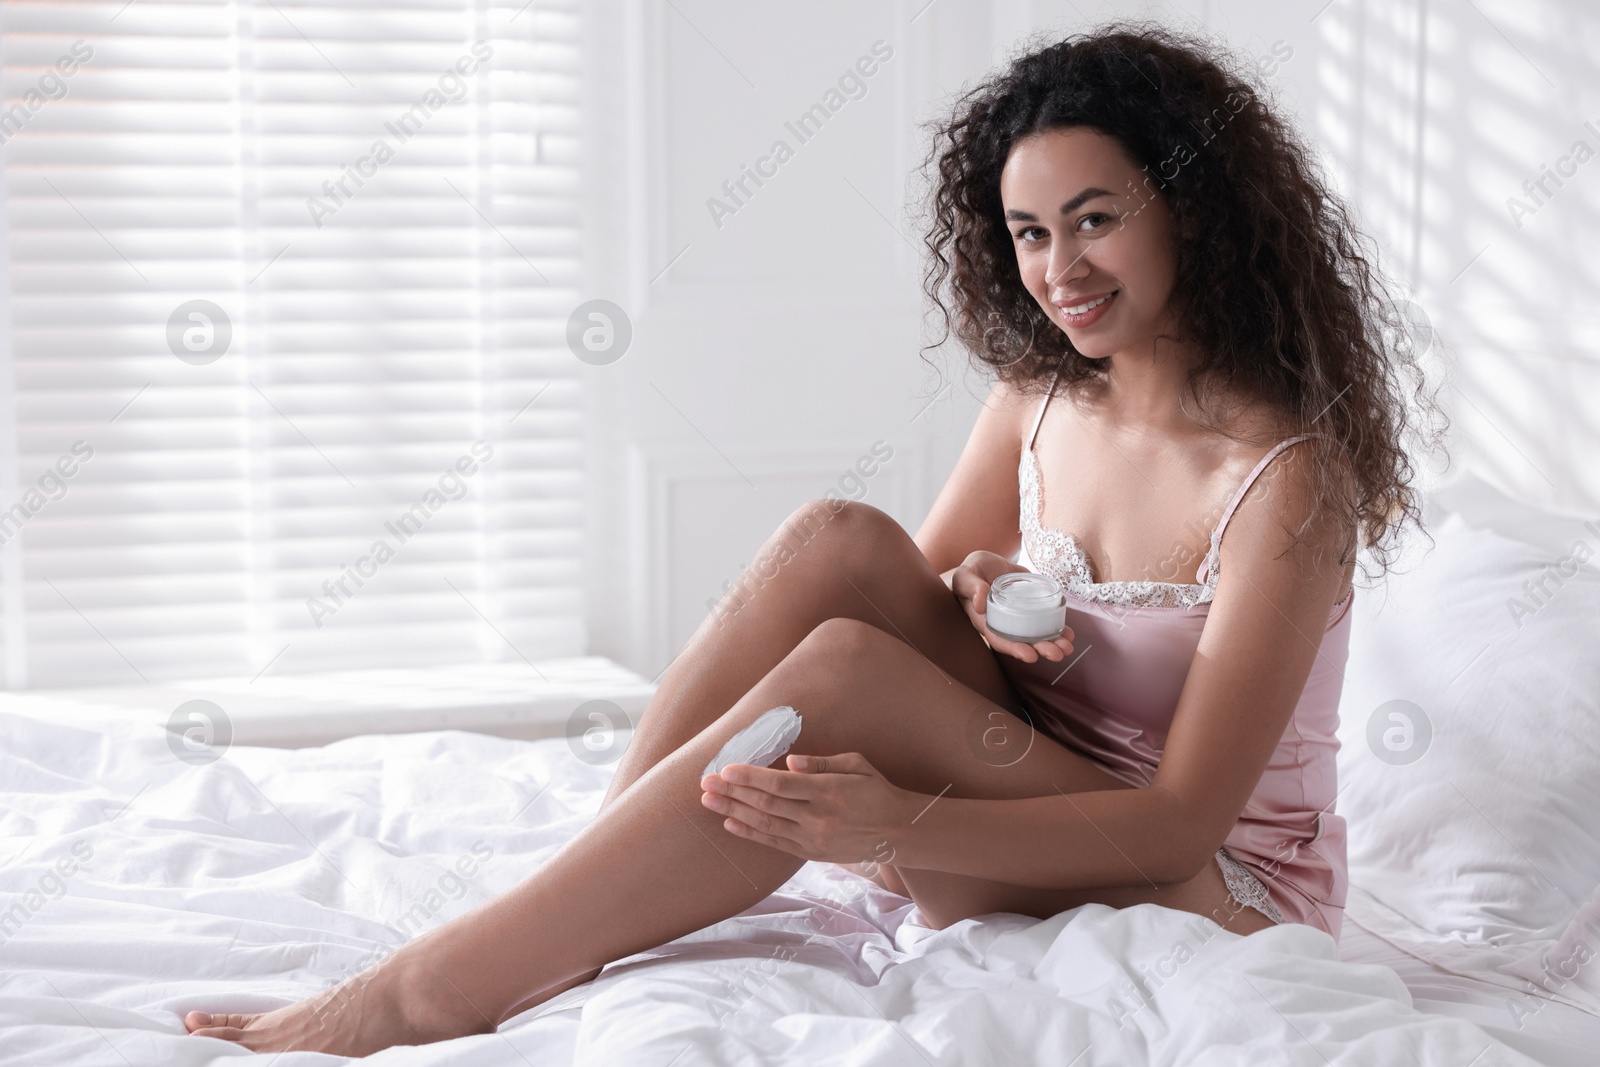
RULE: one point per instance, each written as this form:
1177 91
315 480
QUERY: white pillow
1469 765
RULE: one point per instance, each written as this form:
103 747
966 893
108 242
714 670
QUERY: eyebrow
1013 215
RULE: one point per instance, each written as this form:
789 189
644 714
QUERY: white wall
771 351
1435 113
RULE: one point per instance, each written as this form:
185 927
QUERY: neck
1146 383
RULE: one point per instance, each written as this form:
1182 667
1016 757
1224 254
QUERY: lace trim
1059 555
1245 887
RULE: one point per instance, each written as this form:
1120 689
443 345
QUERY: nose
1067 262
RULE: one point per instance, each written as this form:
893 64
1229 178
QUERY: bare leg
856 563
858 690
853 562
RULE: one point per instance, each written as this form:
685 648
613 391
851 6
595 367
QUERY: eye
1099 218
1022 234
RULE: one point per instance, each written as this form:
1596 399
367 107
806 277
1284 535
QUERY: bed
136 886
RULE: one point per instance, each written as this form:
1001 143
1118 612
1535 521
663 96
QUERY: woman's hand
970 583
834 809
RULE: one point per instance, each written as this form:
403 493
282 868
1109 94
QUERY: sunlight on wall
1466 135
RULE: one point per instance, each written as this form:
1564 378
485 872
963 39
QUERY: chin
1096 351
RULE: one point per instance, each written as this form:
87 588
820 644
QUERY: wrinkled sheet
1554 1033
269 874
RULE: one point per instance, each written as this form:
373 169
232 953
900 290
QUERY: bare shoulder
1008 413
1300 506
978 507
1254 431
1305 469
1018 401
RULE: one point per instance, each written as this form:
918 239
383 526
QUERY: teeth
1081 308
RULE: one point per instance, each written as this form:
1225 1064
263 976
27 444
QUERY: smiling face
1087 228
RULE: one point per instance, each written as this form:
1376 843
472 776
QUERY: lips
1080 305
1083 311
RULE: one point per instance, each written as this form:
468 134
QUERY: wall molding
658 470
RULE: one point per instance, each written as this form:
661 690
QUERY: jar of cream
1025 606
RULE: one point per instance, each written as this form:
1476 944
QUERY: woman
1187 342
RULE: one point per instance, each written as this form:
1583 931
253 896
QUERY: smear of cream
761 742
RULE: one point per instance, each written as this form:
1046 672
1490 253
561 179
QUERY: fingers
780 783
740 815
1058 649
749 833
749 797
1011 648
843 763
1017 649
1055 650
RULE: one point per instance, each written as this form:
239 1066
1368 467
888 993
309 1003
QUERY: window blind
286 385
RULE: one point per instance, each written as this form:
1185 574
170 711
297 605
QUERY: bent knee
847 522
841 641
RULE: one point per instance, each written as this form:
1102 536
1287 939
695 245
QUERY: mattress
138 885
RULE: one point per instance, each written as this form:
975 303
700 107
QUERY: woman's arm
1261 638
1110 837
979 506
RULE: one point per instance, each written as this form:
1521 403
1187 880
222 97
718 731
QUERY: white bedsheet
269 874
1554 1033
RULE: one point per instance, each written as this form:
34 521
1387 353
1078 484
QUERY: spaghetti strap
1040 417
1216 534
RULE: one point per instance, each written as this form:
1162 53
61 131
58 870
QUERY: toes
207 1024
223 1033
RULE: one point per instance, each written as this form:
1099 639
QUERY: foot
398 1001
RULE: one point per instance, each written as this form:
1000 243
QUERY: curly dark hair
1274 284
